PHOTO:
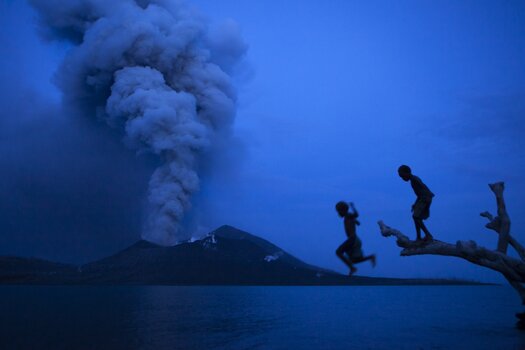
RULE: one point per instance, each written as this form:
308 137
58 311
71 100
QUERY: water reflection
201 317
159 317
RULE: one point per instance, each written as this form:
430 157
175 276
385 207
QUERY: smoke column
155 70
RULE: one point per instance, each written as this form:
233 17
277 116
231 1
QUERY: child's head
404 172
341 208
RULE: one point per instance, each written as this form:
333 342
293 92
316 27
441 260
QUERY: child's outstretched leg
372 259
340 252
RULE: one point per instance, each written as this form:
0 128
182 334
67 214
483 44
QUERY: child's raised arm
356 214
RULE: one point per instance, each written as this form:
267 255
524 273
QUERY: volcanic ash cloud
159 73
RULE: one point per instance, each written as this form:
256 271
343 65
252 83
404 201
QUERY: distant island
226 256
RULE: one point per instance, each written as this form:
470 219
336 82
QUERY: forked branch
513 269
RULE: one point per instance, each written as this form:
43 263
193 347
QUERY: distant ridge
16 270
227 256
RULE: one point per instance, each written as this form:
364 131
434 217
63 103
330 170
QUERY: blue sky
333 97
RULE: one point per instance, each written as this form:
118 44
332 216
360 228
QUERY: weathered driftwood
513 269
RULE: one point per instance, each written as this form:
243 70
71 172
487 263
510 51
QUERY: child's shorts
422 209
353 251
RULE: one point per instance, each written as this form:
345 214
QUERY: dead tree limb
495 225
513 269
504 230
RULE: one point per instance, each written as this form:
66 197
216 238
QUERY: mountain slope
226 256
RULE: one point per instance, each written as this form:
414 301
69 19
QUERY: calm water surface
158 317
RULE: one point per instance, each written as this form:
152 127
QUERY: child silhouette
421 207
352 245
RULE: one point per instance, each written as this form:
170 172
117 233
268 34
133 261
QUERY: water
158 317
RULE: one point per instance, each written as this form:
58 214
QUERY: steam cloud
155 70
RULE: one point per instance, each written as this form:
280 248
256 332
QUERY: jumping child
352 246
421 207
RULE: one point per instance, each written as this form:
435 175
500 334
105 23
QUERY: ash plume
159 73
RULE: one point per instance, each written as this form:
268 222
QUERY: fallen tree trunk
513 269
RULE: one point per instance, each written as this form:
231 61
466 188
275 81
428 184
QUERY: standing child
352 246
421 207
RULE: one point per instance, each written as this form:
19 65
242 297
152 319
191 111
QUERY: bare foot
418 241
373 260
352 271
428 238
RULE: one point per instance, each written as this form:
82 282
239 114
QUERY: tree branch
519 288
511 268
504 224
495 225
